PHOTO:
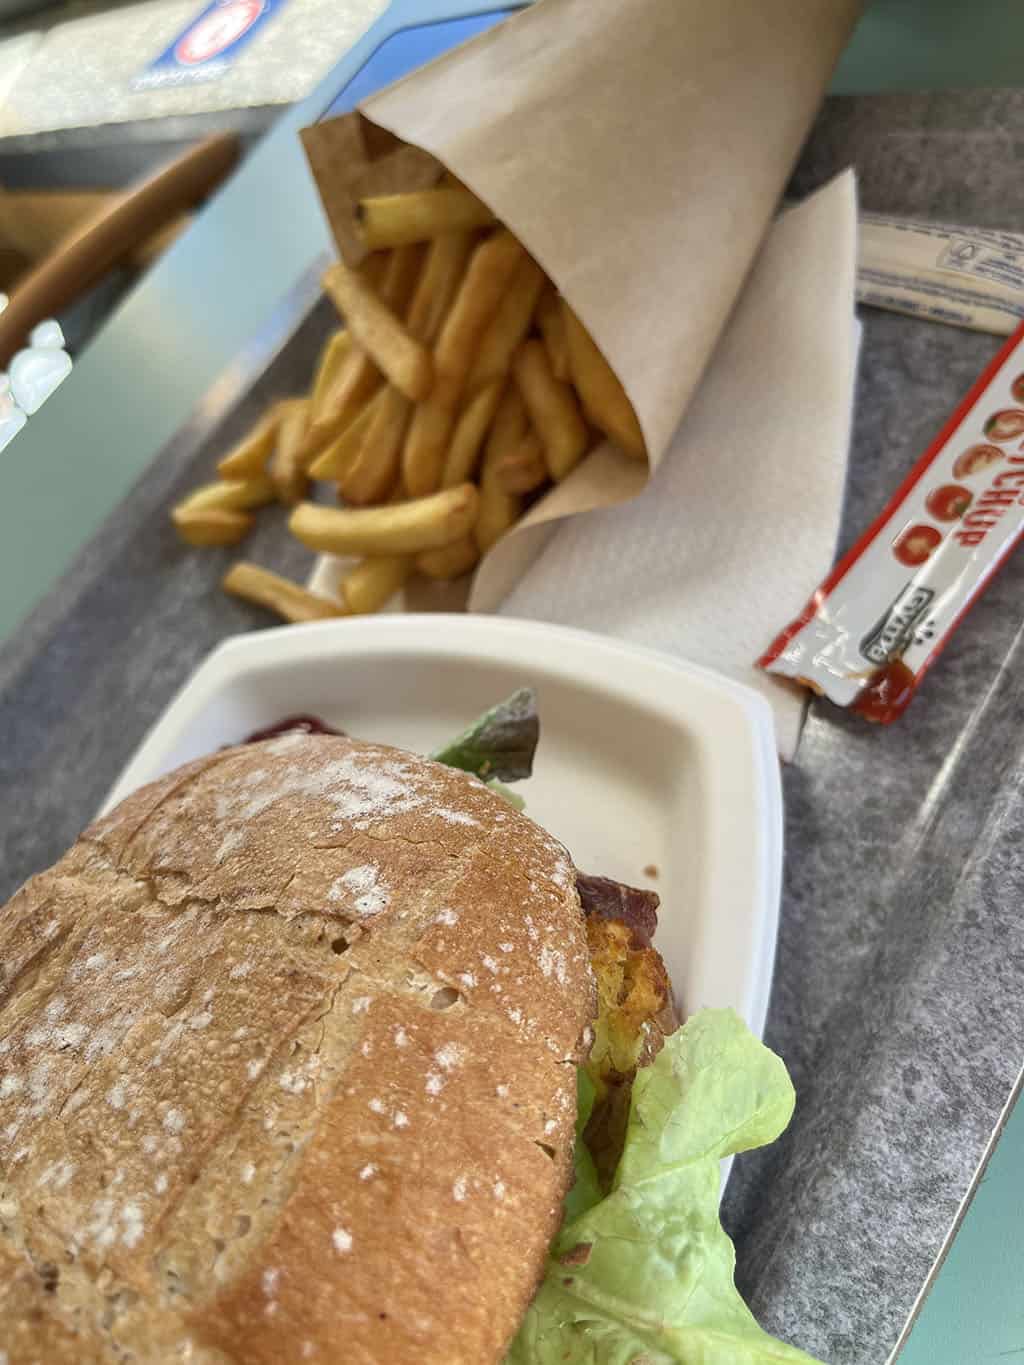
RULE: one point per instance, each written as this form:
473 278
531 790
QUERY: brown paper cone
638 150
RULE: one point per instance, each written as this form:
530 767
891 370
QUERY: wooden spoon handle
89 253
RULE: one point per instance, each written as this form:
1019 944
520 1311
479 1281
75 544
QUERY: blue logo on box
207 47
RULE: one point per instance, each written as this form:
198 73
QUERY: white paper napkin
739 525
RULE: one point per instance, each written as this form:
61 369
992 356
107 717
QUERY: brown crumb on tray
651 870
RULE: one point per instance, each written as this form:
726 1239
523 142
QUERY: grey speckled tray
900 973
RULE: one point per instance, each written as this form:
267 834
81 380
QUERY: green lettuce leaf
645 1276
501 743
586 1188
507 794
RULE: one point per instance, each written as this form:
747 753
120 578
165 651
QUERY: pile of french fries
461 387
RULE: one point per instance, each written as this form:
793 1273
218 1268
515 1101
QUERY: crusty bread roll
286 1068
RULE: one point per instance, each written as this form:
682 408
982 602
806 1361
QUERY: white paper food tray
644 762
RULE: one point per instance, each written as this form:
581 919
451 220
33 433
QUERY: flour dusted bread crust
287 1068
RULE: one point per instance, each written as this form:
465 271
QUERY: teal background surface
934 44
974 1312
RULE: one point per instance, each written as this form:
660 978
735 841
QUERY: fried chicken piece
635 1012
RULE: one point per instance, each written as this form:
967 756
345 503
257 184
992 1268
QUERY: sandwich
319 1050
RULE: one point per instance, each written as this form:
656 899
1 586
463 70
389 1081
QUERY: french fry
334 461
231 495
468 436
553 410
442 271
211 525
403 359
552 329
524 469
277 594
511 424
431 422
373 582
508 327
487 276
398 219
373 471
397 529
603 397
490 269
450 562
427 440
500 509
401 277
288 464
358 378
249 457
337 346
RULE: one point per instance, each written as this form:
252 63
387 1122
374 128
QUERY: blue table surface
154 362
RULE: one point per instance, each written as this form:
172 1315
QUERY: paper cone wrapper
638 150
